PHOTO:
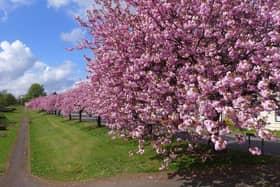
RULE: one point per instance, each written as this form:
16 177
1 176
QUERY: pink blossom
220 145
182 127
266 134
211 126
140 151
240 139
224 131
255 151
178 72
269 105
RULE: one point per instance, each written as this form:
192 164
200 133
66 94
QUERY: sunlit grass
69 150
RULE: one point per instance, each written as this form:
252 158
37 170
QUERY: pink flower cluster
76 99
180 67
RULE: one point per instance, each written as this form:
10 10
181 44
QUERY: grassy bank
8 137
68 150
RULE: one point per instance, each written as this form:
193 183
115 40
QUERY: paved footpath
18 174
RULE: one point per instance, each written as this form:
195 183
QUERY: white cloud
58 3
15 59
20 2
74 7
19 69
9 5
74 36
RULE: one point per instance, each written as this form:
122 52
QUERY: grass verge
68 151
8 137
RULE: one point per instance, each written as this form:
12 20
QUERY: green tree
7 99
10 99
35 90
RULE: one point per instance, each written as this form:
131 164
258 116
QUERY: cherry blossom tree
177 70
46 103
184 65
77 99
67 104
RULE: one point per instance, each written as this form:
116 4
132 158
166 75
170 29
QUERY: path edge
28 148
7 165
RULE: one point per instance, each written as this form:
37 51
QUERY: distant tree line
35 90
8 99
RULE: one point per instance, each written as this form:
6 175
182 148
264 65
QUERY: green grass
3 118
67 151
277 133
8 137
70 151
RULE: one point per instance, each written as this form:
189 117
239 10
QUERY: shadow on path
263 175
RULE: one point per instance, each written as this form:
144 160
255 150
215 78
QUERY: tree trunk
98 121
150 129
70 117
80 116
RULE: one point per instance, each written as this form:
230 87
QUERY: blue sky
34 36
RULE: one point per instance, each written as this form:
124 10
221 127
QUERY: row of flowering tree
181 67
75 100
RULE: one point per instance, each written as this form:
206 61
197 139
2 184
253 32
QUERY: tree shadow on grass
43 113
89 127
6 123
228 169
65 120
84 125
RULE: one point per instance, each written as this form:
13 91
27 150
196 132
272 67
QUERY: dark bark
80 116
98 121
150 129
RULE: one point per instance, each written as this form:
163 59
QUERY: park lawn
69 151
8 137
277 133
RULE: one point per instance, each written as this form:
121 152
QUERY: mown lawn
277 133
8 137
69 150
